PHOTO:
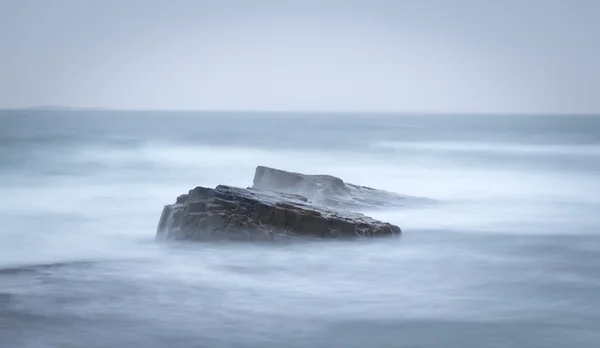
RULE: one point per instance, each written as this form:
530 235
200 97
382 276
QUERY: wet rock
231 213
329 190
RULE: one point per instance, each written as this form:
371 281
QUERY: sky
508 56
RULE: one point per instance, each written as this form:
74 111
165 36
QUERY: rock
232 213
329 190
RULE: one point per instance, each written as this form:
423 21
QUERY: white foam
499 148
122 200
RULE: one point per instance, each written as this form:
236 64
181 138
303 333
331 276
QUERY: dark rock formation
231 213
329 190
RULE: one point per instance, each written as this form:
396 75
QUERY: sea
505 254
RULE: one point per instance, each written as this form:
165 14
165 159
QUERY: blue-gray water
508 257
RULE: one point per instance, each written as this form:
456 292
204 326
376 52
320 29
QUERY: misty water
507 256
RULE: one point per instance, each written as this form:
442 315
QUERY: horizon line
313 111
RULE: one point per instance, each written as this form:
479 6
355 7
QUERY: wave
35 268
499 148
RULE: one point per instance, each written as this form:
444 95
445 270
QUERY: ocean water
508 256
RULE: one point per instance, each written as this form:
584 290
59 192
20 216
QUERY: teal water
509 256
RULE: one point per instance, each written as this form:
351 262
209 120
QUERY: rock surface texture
231 213
329 190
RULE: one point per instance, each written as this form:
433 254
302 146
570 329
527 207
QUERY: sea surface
507 256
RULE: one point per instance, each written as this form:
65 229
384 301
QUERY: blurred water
509 257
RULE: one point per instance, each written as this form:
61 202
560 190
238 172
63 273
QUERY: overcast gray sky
452 56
